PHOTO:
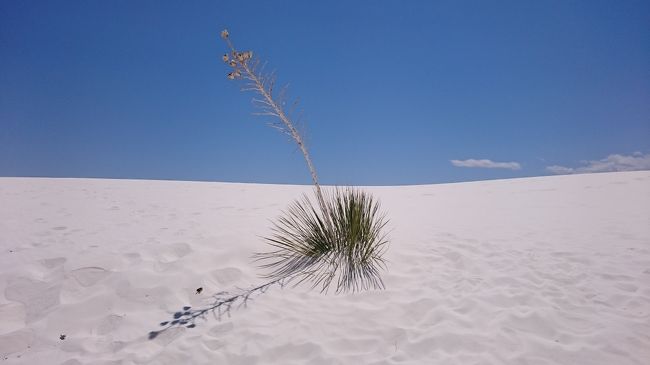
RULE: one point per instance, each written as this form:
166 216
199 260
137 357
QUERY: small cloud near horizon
636 162
487 164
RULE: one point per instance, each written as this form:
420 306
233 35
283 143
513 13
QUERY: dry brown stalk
245 67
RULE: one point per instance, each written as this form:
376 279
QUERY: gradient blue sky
391 91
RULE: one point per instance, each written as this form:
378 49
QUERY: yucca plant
340 237
336 240
340 243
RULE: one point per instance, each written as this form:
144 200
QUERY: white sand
550 270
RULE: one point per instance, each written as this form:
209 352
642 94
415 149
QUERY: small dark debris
178 315
199 290
153 334
186 308
164 323
191 325
62 337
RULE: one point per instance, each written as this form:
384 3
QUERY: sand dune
549 270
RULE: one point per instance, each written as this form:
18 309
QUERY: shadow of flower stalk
222 304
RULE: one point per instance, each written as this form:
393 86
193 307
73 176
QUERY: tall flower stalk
244 66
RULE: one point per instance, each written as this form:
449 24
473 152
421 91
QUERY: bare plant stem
274 109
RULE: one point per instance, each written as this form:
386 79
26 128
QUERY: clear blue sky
391 91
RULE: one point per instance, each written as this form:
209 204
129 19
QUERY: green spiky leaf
337 241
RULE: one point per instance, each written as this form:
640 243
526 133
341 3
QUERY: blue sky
391 92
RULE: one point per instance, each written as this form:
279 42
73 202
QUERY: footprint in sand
213 344
227 276
168 336
88 276
295 351
13 317
38 297
173 252
221 329
53 262
132 258
18 341
109 324
71 362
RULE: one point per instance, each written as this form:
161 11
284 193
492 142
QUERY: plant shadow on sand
222 304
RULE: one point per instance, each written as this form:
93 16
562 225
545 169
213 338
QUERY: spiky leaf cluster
339 242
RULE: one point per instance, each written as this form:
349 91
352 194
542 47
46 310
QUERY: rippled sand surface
549 270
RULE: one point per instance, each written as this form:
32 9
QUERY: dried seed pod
232 63
225 57
224 34
234 75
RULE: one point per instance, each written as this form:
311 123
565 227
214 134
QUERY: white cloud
559 170
488 164
637 161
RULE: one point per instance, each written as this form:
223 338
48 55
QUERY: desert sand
548 270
